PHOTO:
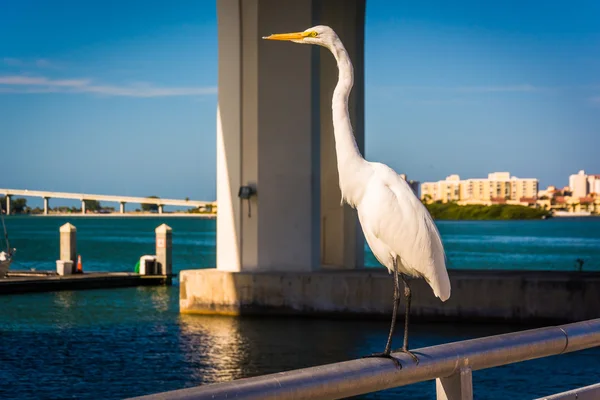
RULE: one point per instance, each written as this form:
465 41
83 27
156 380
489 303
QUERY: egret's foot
410 353
384 355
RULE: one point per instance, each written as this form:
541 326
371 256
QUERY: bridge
122 200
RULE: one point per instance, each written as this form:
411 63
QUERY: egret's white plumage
397 226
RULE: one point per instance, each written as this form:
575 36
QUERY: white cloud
435 102
41 81
466 89
13 62
38 63
508 88
29 84
43 63
147 91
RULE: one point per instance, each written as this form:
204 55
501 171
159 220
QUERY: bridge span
122 200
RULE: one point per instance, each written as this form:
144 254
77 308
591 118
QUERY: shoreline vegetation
125 215
453 211
438 210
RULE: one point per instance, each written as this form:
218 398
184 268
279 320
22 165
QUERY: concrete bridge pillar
277 182
160 209
122 207
342 241
274 133
8 204
46 200
83 206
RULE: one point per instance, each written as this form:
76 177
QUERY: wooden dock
21 282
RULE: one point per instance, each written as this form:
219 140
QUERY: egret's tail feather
438 280
441 288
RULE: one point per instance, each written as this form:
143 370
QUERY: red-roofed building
529 200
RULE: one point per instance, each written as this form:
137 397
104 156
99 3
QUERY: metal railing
450 364
591 392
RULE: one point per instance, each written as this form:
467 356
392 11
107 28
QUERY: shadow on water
225 348
244 347
121 343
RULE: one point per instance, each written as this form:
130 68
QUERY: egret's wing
398 218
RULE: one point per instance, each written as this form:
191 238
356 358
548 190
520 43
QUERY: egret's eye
313 34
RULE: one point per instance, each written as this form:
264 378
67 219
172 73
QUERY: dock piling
64 267
8 203
68 244
164 247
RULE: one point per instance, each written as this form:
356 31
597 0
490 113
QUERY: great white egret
397 226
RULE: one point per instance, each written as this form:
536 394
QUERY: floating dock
21 282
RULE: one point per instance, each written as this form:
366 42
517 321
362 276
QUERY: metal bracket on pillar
245 193
456 387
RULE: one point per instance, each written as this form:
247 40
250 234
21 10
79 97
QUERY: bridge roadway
122 200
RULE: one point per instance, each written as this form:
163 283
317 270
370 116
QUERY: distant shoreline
125 215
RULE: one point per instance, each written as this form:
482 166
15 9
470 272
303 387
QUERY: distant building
446 190
525 188
497 188
551 192
578 184
414 185
594 184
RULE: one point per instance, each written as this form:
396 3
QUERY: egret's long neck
349 159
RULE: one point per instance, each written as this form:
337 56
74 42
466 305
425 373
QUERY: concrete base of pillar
507 296
64 267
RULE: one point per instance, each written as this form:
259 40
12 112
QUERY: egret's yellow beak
287 36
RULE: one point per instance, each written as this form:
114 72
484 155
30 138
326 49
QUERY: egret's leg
388 345
407 296
387 352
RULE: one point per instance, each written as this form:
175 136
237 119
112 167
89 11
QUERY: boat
562 213
5 261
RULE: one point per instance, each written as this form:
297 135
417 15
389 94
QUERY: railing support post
455 387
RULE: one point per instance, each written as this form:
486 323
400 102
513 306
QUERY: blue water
120 343
115 244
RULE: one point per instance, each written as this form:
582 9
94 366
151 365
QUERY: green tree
452 211
92 205
150 207
17 206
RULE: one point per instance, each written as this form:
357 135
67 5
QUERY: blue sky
120 97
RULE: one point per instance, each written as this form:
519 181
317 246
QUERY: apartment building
498 186
594 184
579 184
